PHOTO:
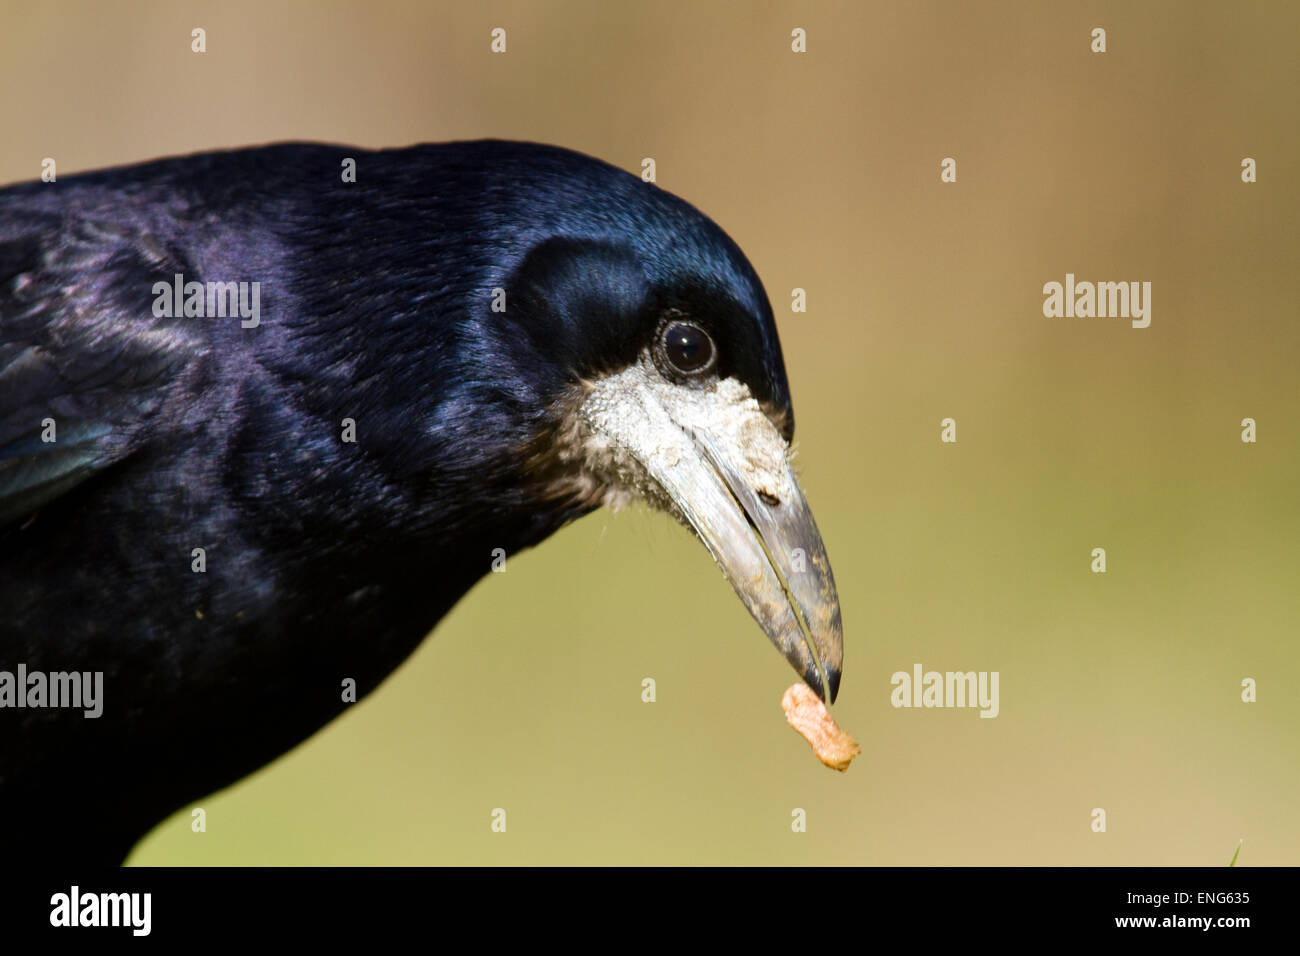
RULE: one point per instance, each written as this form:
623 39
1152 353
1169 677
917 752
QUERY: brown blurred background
1118 690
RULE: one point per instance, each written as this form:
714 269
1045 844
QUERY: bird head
657 376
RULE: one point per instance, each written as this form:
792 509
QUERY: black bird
262 426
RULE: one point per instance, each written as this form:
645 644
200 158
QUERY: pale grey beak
724 469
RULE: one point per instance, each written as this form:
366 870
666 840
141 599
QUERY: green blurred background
1118 690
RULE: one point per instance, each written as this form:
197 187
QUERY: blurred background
1119 690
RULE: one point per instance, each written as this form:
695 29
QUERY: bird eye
688 348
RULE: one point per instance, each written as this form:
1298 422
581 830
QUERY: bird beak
720 465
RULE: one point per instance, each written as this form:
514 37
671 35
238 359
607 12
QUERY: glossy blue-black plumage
324 559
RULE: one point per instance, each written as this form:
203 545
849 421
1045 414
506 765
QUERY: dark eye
687 347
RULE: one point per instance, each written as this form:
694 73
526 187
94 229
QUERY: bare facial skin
710 456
